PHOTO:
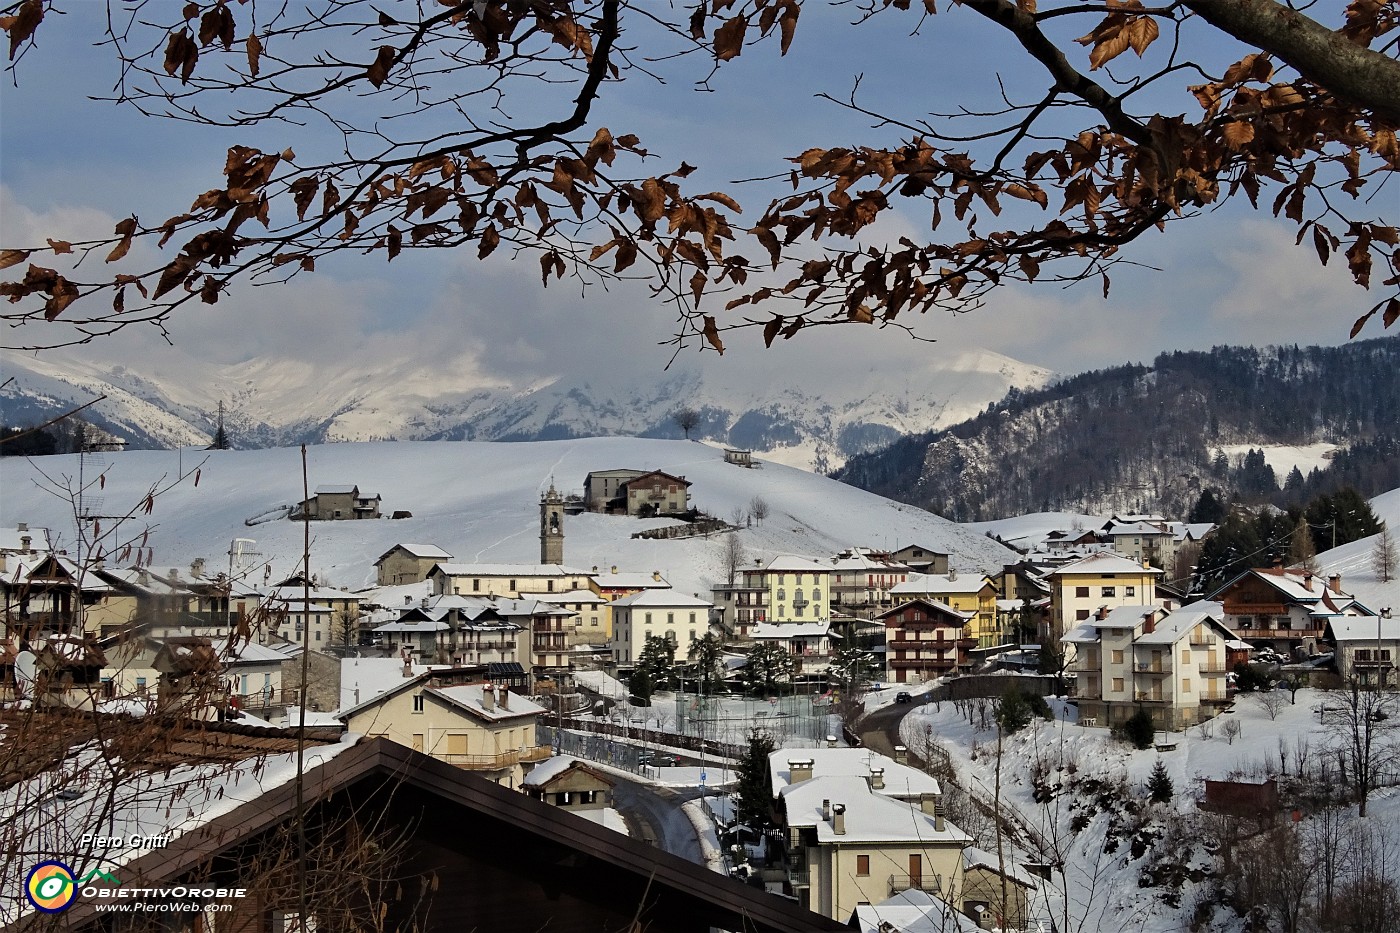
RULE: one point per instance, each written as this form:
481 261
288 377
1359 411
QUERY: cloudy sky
70 166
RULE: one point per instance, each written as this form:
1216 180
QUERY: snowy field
1284 457
479 501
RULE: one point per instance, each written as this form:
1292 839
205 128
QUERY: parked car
903 697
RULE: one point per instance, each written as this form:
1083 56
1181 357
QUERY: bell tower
551 526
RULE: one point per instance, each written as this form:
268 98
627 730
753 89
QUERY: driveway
654 815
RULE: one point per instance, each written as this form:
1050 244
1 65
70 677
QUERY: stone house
337 503
408 563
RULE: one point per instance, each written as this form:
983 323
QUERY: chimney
831 741
656 575
407 664
25 543
1307 580
826 808
488 697
1102 613
3 568
423 603
799 770
877 778
838 819
1335 582
952 574
503 694
595 568
197 568
938 824
614 568
928 803
408 600
901 755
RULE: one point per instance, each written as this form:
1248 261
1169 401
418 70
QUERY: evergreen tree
1208 508
640 686
753 803
1139 730
768 667
1159 785
658 660
706 653
1013 712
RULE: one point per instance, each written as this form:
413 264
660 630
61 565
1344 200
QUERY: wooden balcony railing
497 761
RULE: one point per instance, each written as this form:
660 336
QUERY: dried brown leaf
12 257
729 38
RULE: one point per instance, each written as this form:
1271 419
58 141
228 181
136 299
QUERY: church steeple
551 526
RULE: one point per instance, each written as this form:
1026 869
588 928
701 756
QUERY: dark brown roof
544 845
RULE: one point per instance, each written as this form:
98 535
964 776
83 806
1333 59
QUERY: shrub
1159 785
1139 730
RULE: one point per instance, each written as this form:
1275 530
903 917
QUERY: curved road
654 815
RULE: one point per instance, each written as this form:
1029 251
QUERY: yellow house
512 580
853 844
799 589
972 593
477 727
1104 580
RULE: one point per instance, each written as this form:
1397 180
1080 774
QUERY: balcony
1152 696
927 883
498 761
1213 667
1144 667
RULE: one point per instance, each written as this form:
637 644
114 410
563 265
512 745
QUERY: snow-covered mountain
814 418
479 501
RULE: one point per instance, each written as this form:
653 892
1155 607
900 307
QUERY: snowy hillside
814 417
1354 562
479 501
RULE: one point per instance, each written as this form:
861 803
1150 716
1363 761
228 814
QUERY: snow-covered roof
508 570
630 580
935 604
1363 629
929 583
1180 622
1134 528
913 911
414 626
12 539
1300 586
791 563
548 770
664 599
418 550
469 697
974 857
1103 562
870 816
900 780
250 652
572 596
336 490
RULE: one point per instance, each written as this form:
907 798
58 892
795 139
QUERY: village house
1365 649
570 784
926 639
665 614
921 559
337 503
1284 609
858 828
408 563
799 589
475 726
972 593
53 670
49 593
603 489
1080 588
509 580
809 644
1172 664
656 493
590 615
861 580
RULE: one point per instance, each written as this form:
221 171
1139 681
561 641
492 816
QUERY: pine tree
753 803
1159 785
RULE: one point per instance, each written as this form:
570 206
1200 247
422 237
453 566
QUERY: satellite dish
26 667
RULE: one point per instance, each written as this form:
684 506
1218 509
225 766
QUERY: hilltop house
1366 649
603 489
655 493
336 503
1172 664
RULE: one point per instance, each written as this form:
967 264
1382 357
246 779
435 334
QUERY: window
1186 685
1117 655
1081 614
816 596
476 586
1082 591
1118 685
862 865
797 610
1110 591
318 634
782 610
670 618
781 593
512 586
549 586
648 618
1185 655
1129 591
140 686
418 703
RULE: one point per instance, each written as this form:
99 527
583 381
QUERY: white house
657 613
